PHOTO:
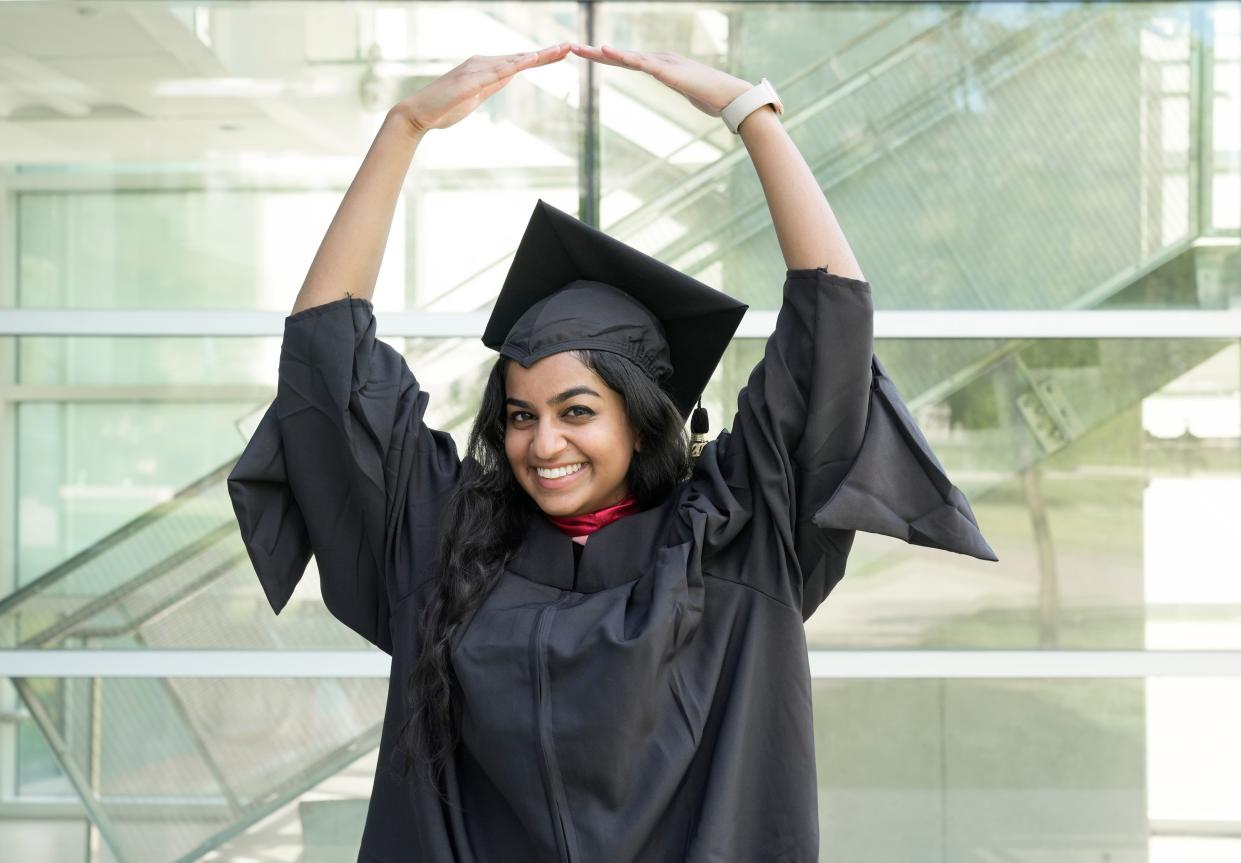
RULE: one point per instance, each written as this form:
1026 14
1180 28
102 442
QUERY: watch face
771 90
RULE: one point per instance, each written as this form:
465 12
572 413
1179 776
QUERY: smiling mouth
561 480
556 472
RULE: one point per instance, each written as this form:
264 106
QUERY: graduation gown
651 701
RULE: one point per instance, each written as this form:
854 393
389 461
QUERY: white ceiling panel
144 69
72 30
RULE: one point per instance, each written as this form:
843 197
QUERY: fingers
539 57
592 53
636 59
483 70
508 64
639 60
617 52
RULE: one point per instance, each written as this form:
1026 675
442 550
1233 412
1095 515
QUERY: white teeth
559 471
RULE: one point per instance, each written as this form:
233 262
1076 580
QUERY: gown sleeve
334 464
823 445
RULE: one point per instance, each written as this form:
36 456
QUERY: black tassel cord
698 426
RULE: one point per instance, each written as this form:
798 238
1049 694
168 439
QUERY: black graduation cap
572 286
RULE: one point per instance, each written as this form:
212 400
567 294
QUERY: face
558 414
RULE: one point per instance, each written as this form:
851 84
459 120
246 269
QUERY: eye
588 411
516 416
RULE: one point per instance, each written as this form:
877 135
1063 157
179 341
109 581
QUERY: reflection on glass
979 770
1108 470
963 149
169 767
126 535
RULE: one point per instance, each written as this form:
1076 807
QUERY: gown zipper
542 698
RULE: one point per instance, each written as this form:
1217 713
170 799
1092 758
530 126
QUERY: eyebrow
555 400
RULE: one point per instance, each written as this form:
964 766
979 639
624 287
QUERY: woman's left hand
709 90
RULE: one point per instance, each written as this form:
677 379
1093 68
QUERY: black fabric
586 314
646 696
341 465
577 559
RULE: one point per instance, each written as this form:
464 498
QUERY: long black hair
484 521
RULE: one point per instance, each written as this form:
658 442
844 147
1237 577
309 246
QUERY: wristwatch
748 102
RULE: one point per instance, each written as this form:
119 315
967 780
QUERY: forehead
553 373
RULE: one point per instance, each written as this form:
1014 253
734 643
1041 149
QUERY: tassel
698 426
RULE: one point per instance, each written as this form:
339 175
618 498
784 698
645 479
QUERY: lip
560 481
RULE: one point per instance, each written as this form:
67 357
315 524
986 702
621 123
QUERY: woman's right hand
460 90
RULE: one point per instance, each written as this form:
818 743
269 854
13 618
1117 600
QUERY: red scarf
587 523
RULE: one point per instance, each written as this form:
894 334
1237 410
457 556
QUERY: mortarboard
572 286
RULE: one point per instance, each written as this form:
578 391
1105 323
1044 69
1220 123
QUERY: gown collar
616 553
574 526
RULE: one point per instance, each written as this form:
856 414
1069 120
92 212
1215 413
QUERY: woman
597 642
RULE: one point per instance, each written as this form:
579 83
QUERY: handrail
116 537
1000 68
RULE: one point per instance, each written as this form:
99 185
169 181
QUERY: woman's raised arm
806 227
822 444
348 259
342 464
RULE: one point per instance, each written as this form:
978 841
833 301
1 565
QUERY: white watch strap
750 101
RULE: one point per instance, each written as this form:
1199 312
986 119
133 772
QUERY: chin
561 507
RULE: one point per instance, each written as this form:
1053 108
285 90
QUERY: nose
548 441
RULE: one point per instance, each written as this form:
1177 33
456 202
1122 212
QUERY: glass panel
167 249
123 519
910 117
1017 155
1226 119
116 361
976 770
38 774
210 185
1104 474
168 765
